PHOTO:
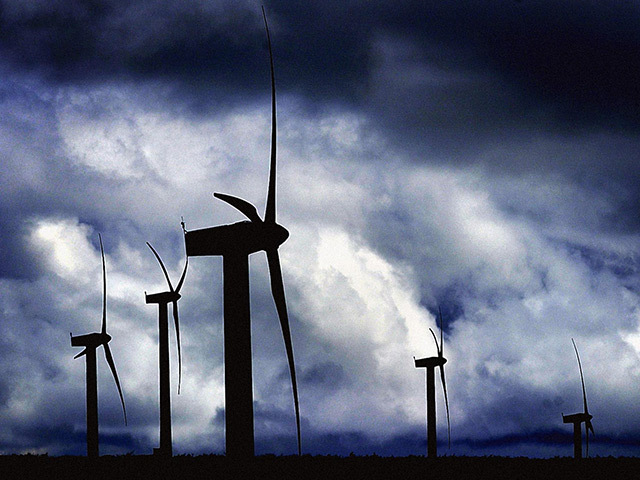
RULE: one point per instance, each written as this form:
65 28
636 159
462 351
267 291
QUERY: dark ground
320 467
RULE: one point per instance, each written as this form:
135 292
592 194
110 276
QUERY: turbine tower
235 242
163 299
91 342
430 363
578 418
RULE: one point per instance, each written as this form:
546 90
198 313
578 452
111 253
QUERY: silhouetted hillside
308 467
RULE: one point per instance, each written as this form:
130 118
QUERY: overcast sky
473 155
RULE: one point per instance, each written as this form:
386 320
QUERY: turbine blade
83 352
243 206
277 289
184 274
177 325
270 210
112 366
446 402
435 339
164 270
104 289
441 351
588 426
584 391
586 432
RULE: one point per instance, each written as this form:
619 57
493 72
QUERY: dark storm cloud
519 444
577 55
576 60
353 442
552 437
328 375
346 443
49 437
36 180
46 436
199 50
25 115
500 75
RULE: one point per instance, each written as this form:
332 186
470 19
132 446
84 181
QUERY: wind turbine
163 299
91 342
430 363
235 242
578 418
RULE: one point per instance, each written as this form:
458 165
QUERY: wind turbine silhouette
235 242
163 299
578 418
430 363
91 342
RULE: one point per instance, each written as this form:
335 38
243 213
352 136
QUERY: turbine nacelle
577 418
162 297
429 362
240 238
90 340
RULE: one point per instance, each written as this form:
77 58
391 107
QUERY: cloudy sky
478 156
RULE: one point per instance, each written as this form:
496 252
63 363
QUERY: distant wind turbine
235 243
430 363
91 342
578 418
163 299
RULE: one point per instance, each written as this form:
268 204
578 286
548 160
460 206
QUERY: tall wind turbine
578 418
235 242
163 299
430 363
91 342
